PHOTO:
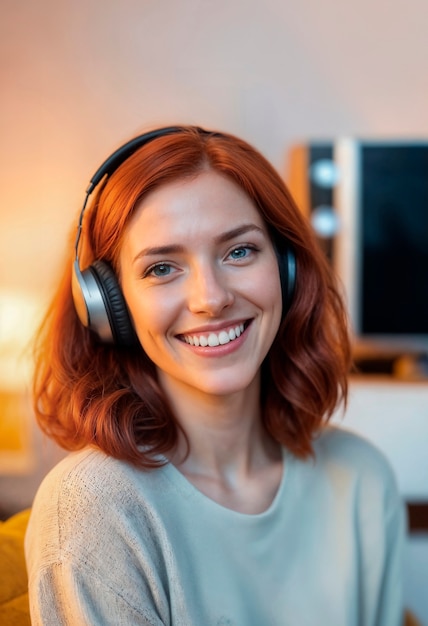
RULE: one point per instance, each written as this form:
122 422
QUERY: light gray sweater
110 544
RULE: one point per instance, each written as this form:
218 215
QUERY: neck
230 457
225 434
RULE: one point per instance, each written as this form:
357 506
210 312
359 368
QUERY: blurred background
80 78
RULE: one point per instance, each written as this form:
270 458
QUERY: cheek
268 286
274 297
151 318
144 316
271 299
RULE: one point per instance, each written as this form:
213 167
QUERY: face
201 280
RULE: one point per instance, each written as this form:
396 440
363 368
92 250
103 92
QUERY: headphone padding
287 273
117 312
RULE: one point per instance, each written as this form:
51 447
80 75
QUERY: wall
80 77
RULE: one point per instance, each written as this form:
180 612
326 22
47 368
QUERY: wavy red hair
87 393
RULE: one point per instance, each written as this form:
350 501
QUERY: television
368 203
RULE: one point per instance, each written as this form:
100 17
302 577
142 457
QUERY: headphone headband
120 155
112 163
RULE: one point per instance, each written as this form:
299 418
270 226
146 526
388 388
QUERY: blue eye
159 270
239 253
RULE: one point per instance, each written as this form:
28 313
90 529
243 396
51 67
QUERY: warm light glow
20 315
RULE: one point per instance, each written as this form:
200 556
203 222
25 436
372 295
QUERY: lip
215 327
222 348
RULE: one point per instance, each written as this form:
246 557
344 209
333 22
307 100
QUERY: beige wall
78 78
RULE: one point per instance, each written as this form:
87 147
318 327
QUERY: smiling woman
193 354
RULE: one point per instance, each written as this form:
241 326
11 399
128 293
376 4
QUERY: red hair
87 393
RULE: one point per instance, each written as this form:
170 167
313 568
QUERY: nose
209 291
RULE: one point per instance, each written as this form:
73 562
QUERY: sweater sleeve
390 607
377 511
64 596
382 526
92 556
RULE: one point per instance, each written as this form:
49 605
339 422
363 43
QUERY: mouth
213 339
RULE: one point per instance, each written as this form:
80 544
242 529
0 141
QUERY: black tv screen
393 227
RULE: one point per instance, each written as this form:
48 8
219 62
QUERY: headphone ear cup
287 274
115 310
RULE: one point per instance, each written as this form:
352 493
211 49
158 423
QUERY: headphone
97 296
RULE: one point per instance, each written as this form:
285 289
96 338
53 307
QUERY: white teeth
213 339
223 337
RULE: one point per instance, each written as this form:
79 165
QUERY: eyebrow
177 248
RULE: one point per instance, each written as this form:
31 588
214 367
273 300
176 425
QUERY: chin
223 387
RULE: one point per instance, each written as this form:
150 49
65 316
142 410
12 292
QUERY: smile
214 339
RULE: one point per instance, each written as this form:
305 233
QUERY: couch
14 609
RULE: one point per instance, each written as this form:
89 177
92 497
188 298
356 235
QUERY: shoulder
349 458
90 474
88 498
345 447
351 482
91 482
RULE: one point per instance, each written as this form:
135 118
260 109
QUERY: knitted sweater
110 544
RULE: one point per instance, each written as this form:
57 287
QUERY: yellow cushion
14 607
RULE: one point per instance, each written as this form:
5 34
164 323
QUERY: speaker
97 296
314 178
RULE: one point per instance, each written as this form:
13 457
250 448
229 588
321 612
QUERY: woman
192 368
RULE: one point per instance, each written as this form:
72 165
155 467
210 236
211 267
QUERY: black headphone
97 296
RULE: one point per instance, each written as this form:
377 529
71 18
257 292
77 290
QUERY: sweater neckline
189 490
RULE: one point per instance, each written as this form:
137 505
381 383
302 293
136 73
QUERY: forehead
207 201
